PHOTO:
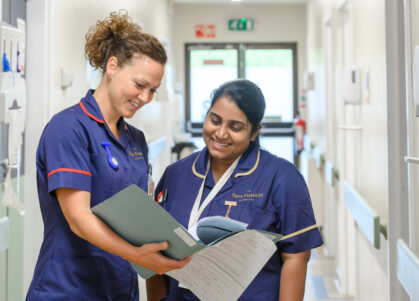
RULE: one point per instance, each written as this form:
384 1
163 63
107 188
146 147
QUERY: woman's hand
75 205
149 256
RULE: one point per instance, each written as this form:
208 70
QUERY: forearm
75 205
91 228
157 287
293 277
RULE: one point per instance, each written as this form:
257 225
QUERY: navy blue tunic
71 155
270 194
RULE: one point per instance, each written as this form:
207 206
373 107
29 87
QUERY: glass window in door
209 68
273 71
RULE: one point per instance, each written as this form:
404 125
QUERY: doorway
272 66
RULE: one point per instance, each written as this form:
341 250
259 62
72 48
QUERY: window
271 66
208 68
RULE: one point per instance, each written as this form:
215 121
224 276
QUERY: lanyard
196 209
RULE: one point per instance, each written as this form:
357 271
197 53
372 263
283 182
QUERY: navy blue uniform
71 155
270 195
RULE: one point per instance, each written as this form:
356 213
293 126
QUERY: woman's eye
236 128
138 85
215 121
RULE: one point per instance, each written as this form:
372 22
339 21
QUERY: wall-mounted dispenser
352 85
12 108
12 84
66 78
308 81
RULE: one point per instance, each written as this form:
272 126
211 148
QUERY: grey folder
137 218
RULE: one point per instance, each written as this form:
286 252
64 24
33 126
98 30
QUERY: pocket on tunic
103 176
262 218
118 279
255 216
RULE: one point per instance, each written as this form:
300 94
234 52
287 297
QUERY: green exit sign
240 24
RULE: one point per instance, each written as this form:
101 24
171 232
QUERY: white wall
272 23
68 45
38 98
56 32
359 39
413 127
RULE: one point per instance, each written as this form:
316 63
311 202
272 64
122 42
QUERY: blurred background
342 93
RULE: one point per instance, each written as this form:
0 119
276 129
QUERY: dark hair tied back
248 97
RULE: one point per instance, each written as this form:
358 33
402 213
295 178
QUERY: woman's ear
256 133
111 66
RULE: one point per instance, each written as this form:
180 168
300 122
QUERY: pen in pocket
150 181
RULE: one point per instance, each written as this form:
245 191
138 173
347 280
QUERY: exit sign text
240 24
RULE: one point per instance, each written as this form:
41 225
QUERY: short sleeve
295 214
66 156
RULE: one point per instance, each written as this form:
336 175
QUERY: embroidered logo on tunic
248 196
135 154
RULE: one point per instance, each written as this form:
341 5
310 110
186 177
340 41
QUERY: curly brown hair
118 36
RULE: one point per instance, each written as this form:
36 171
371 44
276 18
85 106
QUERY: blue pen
111 160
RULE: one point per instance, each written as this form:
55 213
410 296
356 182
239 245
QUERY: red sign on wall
205 31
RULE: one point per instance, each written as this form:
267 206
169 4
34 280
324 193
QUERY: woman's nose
145 96
221 131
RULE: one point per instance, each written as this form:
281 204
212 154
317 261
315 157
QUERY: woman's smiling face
227 131
133 85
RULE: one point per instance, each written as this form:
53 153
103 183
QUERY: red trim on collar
126 127
69 170
90 115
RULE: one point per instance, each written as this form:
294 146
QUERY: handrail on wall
309 145
319 157
331 173
413 160
408 269
348 127
366 217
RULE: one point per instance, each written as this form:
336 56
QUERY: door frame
398 207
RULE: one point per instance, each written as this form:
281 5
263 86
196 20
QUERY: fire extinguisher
300 131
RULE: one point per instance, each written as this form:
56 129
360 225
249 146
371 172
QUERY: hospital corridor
282 126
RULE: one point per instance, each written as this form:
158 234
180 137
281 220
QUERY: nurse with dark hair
86 154
254 187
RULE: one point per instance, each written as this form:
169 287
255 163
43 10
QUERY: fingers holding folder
149 256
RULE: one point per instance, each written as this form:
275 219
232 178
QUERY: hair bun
118 36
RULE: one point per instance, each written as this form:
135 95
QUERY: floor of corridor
321 278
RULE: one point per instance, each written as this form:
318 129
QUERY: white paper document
221 272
